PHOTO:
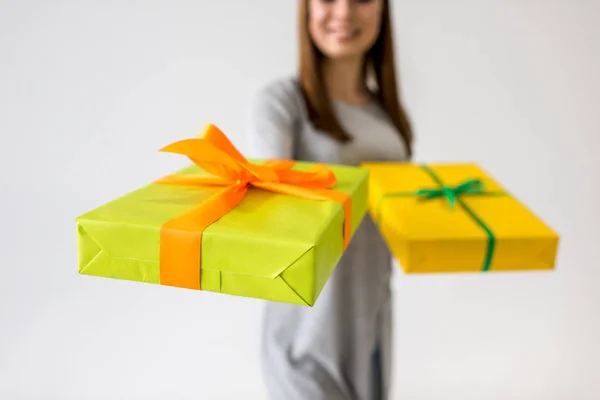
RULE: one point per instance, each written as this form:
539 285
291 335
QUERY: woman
340 348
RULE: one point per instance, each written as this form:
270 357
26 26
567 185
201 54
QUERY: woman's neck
344 80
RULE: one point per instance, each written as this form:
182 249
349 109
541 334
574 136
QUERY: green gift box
273 230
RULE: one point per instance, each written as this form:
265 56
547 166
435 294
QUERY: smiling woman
348 38
339 349
336 35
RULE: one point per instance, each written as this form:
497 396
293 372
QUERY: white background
89 90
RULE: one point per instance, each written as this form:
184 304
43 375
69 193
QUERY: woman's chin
344 51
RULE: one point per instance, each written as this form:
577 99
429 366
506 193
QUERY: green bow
451 193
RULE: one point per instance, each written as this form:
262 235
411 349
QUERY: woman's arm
272 122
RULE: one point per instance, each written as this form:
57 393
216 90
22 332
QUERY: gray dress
340 349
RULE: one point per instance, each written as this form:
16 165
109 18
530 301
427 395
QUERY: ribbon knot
227 167
451 193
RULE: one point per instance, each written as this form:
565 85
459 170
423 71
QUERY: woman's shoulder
280 95
275 117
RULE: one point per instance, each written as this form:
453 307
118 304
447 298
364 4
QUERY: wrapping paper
211 227
456 218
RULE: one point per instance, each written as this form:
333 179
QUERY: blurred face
344 28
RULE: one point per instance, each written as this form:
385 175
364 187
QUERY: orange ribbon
181 237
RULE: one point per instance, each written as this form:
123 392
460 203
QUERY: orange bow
181 237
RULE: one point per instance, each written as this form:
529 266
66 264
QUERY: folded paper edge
306 303
81 232
273 275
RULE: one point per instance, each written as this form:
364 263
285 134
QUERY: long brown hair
380 59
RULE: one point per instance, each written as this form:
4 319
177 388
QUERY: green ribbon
452 194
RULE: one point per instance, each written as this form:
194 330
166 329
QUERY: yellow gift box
455 218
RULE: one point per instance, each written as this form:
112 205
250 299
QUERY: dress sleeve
272 123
